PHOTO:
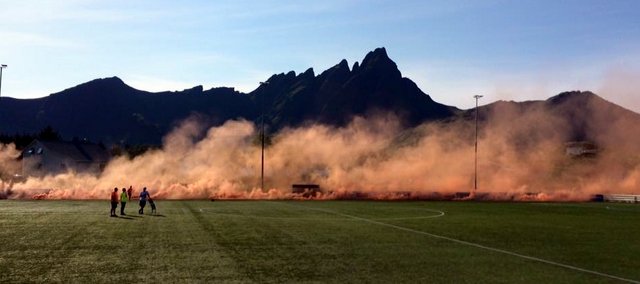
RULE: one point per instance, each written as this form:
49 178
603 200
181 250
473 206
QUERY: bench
629 198
306 189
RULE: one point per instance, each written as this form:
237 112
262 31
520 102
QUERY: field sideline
321 241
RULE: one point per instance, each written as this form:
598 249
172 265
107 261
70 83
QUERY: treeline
131 151
22 140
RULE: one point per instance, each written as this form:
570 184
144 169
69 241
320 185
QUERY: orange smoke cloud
8 166
521 157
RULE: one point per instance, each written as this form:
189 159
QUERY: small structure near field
625 198
306 190
42 158
578 149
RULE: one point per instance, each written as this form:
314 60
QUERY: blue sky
510 50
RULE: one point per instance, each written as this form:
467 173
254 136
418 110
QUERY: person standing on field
123 200
114 202
130 191
143 200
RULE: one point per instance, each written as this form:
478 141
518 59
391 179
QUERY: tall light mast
475 172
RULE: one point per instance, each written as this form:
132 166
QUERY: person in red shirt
114 202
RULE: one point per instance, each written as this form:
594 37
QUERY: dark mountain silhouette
339 93
580 115
110 111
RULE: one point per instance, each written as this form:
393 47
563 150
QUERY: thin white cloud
13 39
260 9
38 12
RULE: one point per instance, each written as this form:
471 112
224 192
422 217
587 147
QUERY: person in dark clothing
130 192
144 195
153 206
114 202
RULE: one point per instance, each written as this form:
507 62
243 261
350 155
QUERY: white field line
439 214
473 245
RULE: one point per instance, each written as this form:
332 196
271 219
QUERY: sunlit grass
335 241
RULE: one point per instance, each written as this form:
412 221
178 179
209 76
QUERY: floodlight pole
475 172
2 66
262 138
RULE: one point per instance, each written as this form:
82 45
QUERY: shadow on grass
134 216
124 217
157 215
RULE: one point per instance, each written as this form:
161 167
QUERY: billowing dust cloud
521 156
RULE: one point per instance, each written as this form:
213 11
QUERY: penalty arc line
571 267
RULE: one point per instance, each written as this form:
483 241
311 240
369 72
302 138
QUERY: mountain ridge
109 110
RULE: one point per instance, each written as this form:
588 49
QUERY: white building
581 149
53 157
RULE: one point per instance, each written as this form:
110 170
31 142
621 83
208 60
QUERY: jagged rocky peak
221 91
378 55
277 79
343 65
307 74
195 90
227 89
378 62
339 73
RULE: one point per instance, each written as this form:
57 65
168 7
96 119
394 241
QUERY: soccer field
321 241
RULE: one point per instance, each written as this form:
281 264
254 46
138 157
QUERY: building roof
76 150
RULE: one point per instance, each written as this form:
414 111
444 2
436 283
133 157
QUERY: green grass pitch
320 241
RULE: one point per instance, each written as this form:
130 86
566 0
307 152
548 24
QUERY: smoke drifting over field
520 153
